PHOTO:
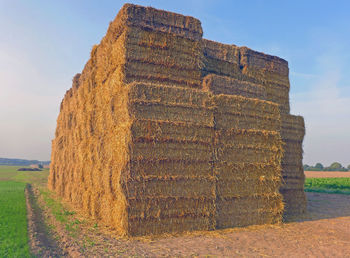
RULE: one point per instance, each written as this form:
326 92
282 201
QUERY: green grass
13 212
13 220
10 173
39 179
61 214
328 185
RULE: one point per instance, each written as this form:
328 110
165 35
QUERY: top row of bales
164 131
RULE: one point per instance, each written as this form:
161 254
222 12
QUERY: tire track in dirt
41 241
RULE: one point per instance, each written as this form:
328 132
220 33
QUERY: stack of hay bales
233 70
220 59
269 71
217 84
137 155
248 151
292 132
249 67
141 146
273 73
171 186
161 47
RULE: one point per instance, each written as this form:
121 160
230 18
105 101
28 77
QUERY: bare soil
42 243
323 231
323 174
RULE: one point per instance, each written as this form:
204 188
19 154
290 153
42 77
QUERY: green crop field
13 220
13 213
10 173
328 185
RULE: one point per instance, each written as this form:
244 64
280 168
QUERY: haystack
292 133
248 151
233 70
162 132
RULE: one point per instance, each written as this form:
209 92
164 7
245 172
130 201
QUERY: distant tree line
21 162
335 166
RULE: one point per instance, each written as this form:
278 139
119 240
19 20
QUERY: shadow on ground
324 206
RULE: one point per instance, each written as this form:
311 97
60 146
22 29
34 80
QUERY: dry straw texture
247 65
292 132
248 152
146 144
233 70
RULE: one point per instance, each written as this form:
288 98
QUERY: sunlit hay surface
146 144
233 70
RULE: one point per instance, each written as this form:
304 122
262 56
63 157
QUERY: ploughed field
324 174
324 230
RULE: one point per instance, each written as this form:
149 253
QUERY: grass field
10 173
328 185
13 220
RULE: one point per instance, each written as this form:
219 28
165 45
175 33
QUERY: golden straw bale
244 64
258 209
292 133
289 183
245 113
246 219
244 171
217 84
248 152
158 20
141 227
171 95
250 187
219 51
264 67
157 130
171 167
294 201
292 170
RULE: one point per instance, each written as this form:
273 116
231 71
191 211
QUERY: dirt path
322 174
41 242
324 231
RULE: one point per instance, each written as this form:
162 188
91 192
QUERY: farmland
13 220
326 224
339 185
171 139
13 215
326 174
10 173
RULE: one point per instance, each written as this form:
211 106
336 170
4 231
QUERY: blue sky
44 43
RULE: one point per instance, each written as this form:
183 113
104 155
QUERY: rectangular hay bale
228 188
194 187
160 207
171 167
217 84
140 227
